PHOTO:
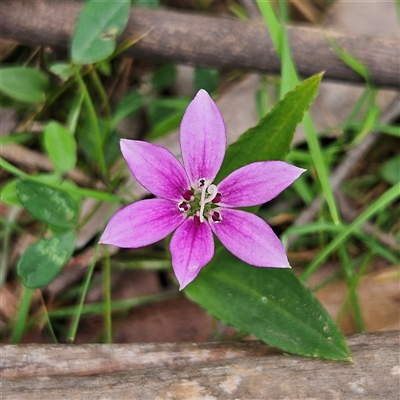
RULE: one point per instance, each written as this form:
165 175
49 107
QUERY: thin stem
107 298
78 312
100 88
352 283
94 122
104 98
23 312
389 196
46 314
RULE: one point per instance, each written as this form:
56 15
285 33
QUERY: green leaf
377 206
105 68
207 79
24 84
270 139
52 206
129 105
62 70
390 170
16 138
166 114
270 303
60 146
8 193
99 23
44 260
166 125
349 59
164 77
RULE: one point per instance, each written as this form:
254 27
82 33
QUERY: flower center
201 201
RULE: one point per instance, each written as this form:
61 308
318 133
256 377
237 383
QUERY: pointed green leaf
44 260
99 23
270 303
48 204
24 84
270 139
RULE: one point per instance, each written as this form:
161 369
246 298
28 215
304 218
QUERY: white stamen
212 191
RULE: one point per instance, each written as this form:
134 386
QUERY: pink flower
189 203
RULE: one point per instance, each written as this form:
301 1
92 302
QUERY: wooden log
170 36
249 370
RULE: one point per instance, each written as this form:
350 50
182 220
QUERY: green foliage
129 105
390 170
163 77
270 139
52 206
207 79
167 124
24 84
62 70
99 23
43 261
289 78
270 303
166 115
378 205
60 146
8 193
350 60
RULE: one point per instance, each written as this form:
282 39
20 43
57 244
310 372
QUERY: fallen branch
169 36
249 370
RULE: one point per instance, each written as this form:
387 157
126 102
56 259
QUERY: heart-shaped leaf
60 145
43 261
52 206
24 84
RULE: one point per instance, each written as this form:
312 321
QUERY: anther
188 195
217 198
216 217
183 206
197 219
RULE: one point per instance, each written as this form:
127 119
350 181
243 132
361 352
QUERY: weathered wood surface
212 41
250 370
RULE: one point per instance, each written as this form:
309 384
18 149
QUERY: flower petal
142 223
257 183
202 138
250 238
192 247
156 168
